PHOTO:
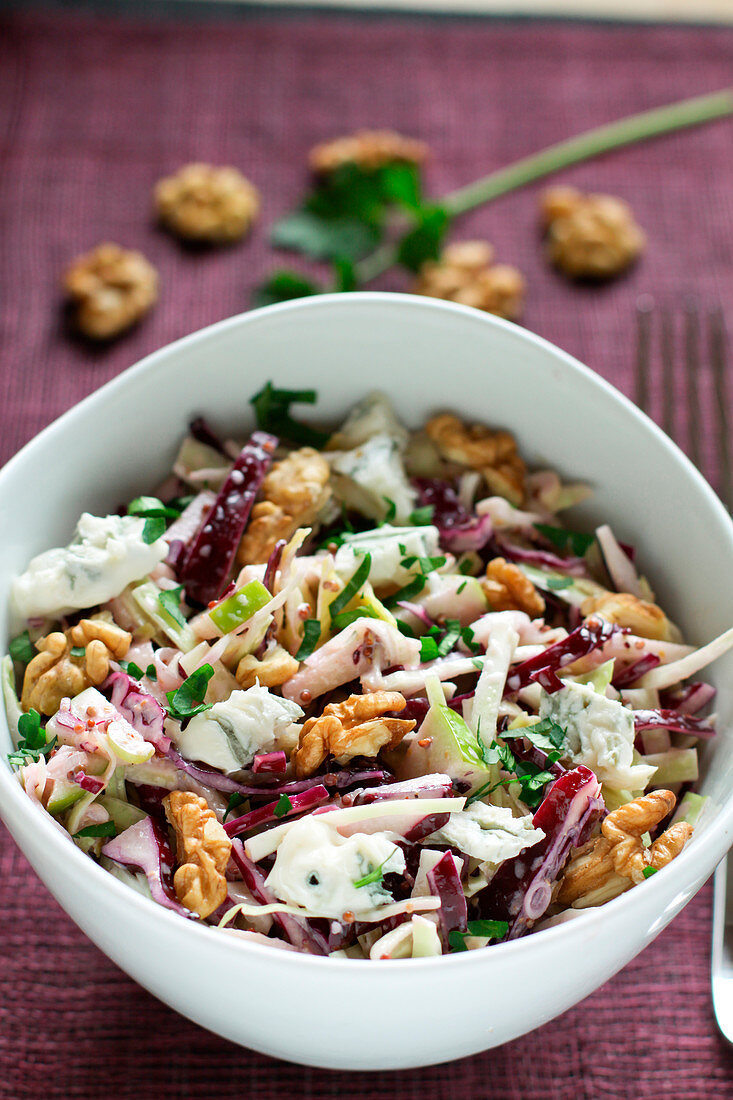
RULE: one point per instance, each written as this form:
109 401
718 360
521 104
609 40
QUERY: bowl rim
80 865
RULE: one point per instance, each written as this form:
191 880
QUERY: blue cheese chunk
373 415
371 476
229 734
318 869
387 546
489 833
106 554
600 734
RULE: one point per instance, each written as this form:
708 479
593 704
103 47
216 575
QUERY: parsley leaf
346 618
391 512
376 875
556 584
283 286
423 241
451 636
311 634
348 592
78 650
187 700
151 506
468 640
414 588
170 601
153 529
425 565
234 801
284 806
132 669
461 587
21 649
32 743
428 648
272 412
576 541
106 828
406 629
151 673
545 735
492 929
647 872
423 516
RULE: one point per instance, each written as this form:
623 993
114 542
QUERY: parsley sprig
272 412
374 876
532 779
32 743
188 699
491 929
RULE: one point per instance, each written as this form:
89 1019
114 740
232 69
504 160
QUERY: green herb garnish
311 634
491 929
283 286
151 507
578 542
376 875
235 800
428 648
170 601
132 669
460 588
151 673
21 649
106 828
391 512
78 650
414 588
346 618
32 743
647 872
284 806
425 565
347 593
556 584
545 735
188 699
423 516
153 529
272 411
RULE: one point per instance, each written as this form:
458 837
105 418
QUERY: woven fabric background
92 111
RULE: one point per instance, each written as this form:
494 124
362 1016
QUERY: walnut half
203 850
493 453
590 236
356 727
508 589
465 273
54 673
111 288
204 203
370 149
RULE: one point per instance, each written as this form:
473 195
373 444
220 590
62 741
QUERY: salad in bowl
360 693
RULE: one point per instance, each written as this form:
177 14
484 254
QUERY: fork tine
644 309
692 368
668 397
720 384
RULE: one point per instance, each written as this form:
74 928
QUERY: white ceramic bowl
427 355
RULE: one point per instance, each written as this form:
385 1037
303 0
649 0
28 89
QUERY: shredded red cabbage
145 846
211 552
270 763
459 529
673 721
590 635
444 881
142 711
543 559
521 889
299 803
629 675
689 699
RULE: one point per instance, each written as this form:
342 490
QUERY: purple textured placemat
92 112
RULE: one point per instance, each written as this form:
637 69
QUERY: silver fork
693 364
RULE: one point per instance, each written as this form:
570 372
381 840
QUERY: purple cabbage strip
89 783
521 889
689 699
673 721
202 431
426 827
270 763
634 672
425 786
544 559
142 711
299 803
530 754
295 930
145 846
459 529
444 881
211 552
590 635
273 564
418 611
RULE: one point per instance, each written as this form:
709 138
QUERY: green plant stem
617 135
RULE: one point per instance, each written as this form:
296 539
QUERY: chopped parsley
468 640
406 629
311 634
170 601
376 875
272 412
153 529
21 649
530 777
556 584
346 618
391 512
460 588
420 517
414 588
349 590
235 800
151 673
188 699
152 507
78 650
425 565
428 648
105 828
546 735
32 743
647 872
489 929
284 806
576 541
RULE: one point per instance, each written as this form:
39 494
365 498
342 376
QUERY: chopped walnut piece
618 854
203 850
295 492
54 673
508 589
465 273
493 453
275 668
642 618
370 149
111 288
356 727
591 236
203 203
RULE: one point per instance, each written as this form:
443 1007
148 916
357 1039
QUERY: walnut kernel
493 453
275 668
370 149
591 236
295 492
356 727
465 273
203 203
111 289
54 674
203 850
507 588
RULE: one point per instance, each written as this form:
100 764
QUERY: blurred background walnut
203 203
370 149
466 273
111 289
590 236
